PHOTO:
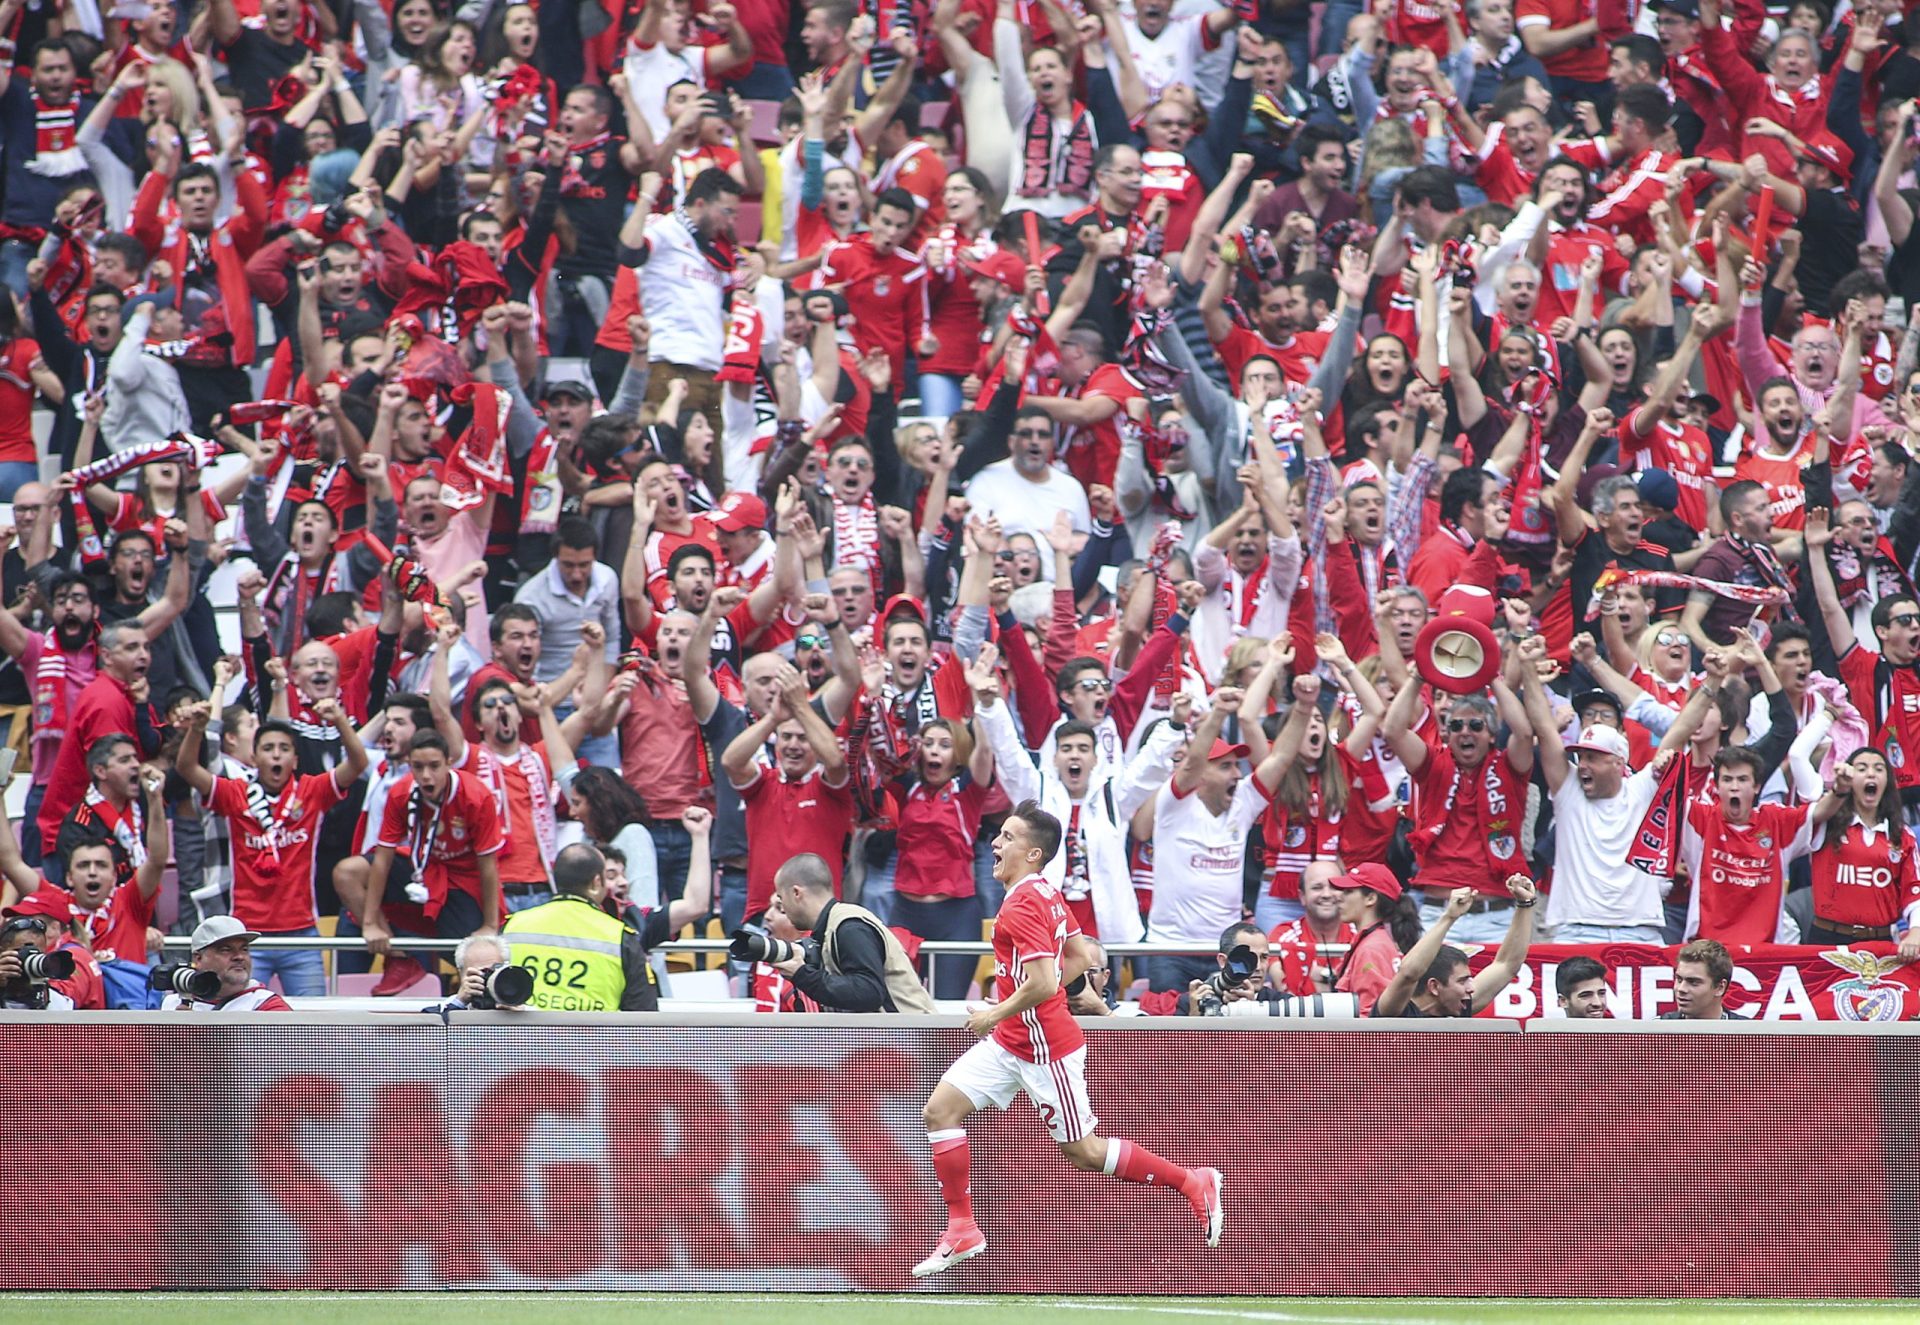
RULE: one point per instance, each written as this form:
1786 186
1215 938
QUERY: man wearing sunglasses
1471 800
19 939
1884 685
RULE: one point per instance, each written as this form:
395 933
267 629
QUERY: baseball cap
1586 699
739 512
570 376
46 900
899 606
1685 8
1826 149
1000 266
1659 488
1597 738
1370 875
218 930
1221 750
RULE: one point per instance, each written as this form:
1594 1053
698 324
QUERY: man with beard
517 649
1094 400
300 561
1435 980
1581 985
686 262
1025 490
1306 950
1274 334
131 569
1473 519
114 701
691 573
39 131
1094 807
1813 372
1742 556
1561 247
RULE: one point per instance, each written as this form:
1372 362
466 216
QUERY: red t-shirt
1092 453
1784 480
1865 879
787 819
87 987
1893 716
132 513
1034 923
1296 952
886 296
16 399
1469 822
1290 842
492 671
938 827
1297 358
453 836
1683 451
1587 61
273 862
1739 871
118 930
1560 280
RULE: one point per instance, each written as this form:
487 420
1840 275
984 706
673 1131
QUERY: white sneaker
956 1245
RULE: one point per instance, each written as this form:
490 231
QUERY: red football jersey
1298 954
1469 822
452 835
1867 878
1297 358
118 930
1889 698
886 296
1092 452
1034 923
1684 452
1739 870
273 861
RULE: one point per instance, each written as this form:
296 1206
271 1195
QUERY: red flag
1653 845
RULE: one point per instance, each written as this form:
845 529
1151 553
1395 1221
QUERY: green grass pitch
587 1308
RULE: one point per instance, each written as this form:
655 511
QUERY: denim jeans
302 972
1271 912
876 889
1333 24
526 901
1473 927
672 852
1609 934
13 473
733 896
956 919
939 396
1176 972
992 892
30 835
600 751
15 254
764 82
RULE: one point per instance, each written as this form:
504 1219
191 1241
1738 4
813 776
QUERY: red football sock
953 1165
1131 1163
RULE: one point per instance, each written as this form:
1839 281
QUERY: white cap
217 930
1601 740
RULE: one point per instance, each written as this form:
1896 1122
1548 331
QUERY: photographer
221 947
1090 994
1241 978
85 986
479 959
27 968
854 963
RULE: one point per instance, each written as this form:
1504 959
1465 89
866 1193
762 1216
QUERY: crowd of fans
1354 466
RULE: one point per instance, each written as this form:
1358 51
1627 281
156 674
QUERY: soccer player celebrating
1033 1044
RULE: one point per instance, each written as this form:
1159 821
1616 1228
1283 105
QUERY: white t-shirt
1198 861
1592 883
1170 57
1025 507
684 296
652 70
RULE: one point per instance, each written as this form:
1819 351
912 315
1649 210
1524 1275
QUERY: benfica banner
1771 982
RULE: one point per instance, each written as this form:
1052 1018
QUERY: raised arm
1505 965
1400 990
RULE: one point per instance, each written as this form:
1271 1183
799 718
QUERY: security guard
582 959
861 966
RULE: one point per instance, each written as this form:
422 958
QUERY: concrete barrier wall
513 1151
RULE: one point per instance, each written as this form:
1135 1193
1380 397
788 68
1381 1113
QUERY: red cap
739 512
1377 877
1000 266
899 603
1221 750
46 900
1822 146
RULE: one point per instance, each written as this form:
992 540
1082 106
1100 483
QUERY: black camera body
502 985
186 981
1242 965
752 943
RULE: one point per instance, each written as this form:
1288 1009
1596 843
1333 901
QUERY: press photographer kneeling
27 968
853 963
1240 989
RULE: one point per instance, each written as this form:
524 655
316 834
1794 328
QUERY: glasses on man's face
1457 725
1905 619
495 702
810 641
24 924
1099 683
852 462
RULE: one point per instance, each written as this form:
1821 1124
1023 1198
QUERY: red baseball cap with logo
1000 266
1222 750
46 900
739 512
1377 877
1825 148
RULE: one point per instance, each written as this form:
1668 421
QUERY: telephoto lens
186 981
753 944
40 967
504 986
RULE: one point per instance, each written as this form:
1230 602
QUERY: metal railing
932 948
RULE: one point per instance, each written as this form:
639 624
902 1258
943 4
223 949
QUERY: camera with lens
751 943
38 968
502 985
186 981
1241 966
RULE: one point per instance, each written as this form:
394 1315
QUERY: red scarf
478 464
1653 845
50 698
856 537
1070 169
54 129
540 503
746 330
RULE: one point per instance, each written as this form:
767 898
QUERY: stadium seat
766 122
746 225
